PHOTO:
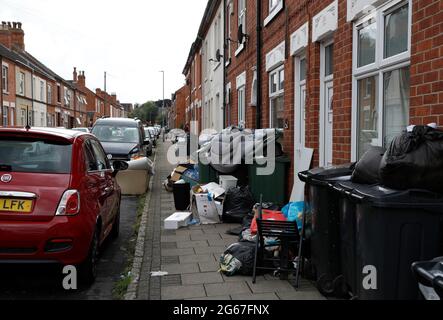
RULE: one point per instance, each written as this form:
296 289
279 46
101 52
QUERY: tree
147 112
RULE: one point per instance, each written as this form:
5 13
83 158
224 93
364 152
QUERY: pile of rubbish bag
413 160
226 150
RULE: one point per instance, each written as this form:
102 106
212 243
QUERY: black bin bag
414 160
367 170
238 203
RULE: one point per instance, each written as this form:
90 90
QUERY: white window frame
5 113
42 90
378 68
22 83
5 78
280 92
49 94
241 92
229 13
273 10
241 19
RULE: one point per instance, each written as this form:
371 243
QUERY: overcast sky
132 40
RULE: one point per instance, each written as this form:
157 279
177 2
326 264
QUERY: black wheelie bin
392 229
325 249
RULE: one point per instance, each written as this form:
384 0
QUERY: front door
300 112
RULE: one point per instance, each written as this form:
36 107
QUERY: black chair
287 237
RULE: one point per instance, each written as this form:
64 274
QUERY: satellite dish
240 35
218 55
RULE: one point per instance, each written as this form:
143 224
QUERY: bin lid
326 175
383 197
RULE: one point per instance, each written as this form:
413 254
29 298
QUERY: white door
326 104
328 123
300 112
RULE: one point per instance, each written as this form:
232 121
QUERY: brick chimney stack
74 75
82 79
12 35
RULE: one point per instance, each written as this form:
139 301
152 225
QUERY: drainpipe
1 93
259 66
225 46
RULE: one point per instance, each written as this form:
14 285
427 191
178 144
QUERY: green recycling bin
273 187
207 173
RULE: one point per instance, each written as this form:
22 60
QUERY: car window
100 156
34 155
118 134
91 162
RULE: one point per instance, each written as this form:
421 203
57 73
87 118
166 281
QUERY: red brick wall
427 62
10 97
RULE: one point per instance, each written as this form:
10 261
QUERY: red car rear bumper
64 240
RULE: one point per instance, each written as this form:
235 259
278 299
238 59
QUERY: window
42 91
49 94
302 70
381 74
42 119
21 85
273 5
229 31
242 17
5 116
99 155
276 97
23 117
5 85
329 60
254 90
241 106
59 94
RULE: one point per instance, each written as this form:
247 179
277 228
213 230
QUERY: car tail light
69 204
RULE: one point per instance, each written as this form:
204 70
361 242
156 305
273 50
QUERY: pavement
190 257
43 282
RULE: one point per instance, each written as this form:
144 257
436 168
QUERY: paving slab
258 296
219 298
227 288
181 268
201 278
209 266
300 295
177 252
202 250
182 292
197 258
192 244
264 286
208 236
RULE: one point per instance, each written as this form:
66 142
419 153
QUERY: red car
59 199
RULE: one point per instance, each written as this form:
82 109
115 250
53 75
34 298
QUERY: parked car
153 134
123 139
59 199
82 130
149 137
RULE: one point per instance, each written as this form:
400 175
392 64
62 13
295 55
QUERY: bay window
381 62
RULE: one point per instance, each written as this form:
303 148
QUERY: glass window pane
367 115
302 69
329 60
396 32
277 112
366 44
273 82
282 80
396 103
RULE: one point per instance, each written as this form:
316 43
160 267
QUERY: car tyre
88 269
116 226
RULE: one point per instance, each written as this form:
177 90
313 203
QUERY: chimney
5 35
74 75
17 36
81 79
114 97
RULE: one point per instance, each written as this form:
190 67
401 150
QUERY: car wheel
88 269
116 226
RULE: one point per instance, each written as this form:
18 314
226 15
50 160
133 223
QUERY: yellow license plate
16 205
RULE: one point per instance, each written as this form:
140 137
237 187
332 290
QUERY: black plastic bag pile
237 205
413 160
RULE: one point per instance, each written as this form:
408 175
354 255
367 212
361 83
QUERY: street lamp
163 108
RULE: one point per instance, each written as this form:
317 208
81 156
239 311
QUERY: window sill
240 49
273 14
228 62
6 92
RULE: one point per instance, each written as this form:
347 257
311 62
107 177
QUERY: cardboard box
177 220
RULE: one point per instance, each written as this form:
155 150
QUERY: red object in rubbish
268 215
